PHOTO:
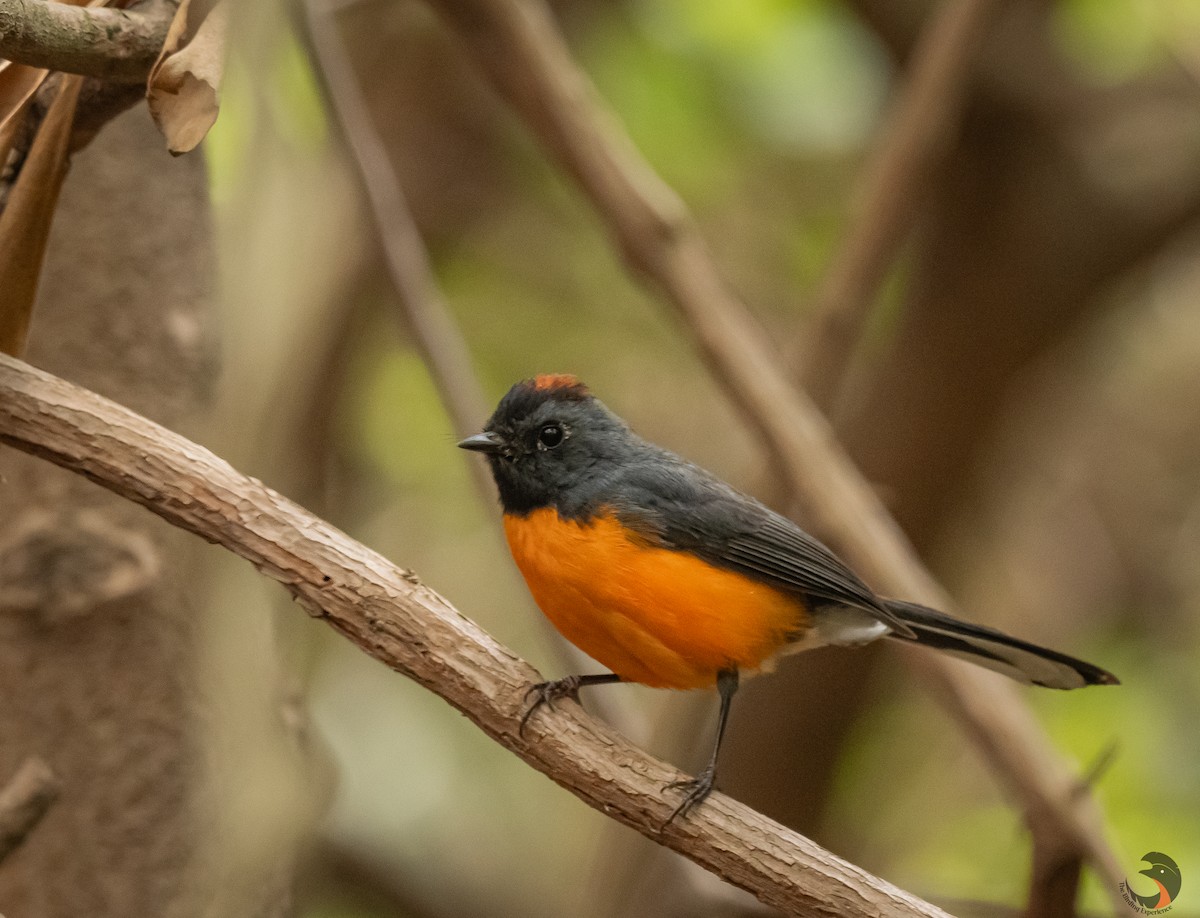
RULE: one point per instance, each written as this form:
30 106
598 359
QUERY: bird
669 577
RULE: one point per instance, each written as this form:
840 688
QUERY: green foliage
284 102
1115 40
394 403
803 76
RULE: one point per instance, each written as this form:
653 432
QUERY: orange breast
663 618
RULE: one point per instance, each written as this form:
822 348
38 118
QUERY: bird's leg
699 787
566 687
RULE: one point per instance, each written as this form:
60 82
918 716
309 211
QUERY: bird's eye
550 436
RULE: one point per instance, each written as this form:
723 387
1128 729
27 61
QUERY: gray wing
682 507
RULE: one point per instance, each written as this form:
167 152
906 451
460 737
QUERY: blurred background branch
426 316
917 133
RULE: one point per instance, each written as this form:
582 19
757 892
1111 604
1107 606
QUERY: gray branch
109 44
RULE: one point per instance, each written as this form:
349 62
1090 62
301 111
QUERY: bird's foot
548 693
695 791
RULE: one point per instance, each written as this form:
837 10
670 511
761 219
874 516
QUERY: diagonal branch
918 131
517 45
389 614
426 315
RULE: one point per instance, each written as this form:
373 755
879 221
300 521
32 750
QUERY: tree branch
388 613
102 42
23 803
425 313
919 129
517 45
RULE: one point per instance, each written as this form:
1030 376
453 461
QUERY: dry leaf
184 83
25 222
175 36
18 83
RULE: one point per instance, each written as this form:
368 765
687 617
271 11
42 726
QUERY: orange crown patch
549 381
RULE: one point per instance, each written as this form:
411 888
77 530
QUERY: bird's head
547 441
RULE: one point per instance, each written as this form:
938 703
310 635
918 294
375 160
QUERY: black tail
1014 658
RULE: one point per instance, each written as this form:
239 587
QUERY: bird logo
1165 874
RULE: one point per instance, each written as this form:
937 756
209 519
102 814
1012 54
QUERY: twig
519 48
109 44
24 801
390 615
426 314
917 133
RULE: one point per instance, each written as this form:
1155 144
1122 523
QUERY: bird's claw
695 791
546 693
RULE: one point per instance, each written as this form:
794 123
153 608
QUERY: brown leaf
184 83
9 125
25 222
18 83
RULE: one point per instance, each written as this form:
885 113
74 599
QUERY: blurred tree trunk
99 599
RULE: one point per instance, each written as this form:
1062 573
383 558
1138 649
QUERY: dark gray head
549 442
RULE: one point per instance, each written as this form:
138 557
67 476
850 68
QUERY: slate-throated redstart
669 577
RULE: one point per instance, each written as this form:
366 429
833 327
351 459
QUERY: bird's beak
487 442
